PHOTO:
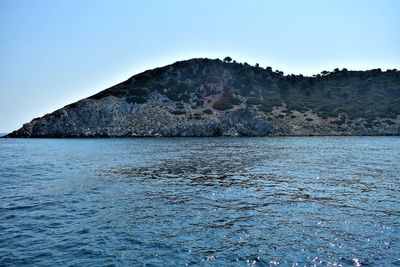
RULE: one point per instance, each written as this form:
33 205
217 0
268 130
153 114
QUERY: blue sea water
323 201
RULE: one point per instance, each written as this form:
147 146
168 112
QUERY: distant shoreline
173 137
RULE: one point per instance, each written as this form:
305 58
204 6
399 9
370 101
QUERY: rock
114 117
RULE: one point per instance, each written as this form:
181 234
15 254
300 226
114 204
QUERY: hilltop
212 97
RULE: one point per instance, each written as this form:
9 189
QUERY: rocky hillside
204 97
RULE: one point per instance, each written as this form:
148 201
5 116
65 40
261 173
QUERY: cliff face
113 116
203 97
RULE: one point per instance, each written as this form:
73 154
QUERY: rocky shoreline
114 117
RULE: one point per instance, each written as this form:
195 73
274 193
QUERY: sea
223 201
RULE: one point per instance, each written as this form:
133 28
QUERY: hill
205 97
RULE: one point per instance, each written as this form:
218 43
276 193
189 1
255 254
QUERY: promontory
213 97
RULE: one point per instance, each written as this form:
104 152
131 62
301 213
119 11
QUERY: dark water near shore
200 201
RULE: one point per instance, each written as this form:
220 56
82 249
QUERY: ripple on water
223 201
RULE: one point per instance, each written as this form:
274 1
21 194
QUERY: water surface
200 201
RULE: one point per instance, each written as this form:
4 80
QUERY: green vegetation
254 101
223 104
197 116
227 59
227 101
359 94
208 111
199 102
179 105
139 95
178 112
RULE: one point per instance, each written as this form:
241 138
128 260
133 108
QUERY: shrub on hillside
138 95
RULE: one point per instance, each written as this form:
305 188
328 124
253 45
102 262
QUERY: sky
53 53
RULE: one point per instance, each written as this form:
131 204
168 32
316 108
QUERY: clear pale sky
57 52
